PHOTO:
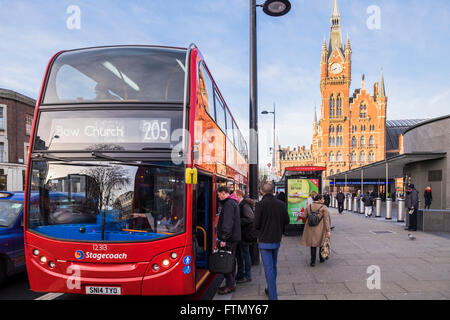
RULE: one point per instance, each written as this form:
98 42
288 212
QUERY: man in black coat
271 216
340 199
412 205
228 231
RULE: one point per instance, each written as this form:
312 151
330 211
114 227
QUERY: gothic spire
335 33
381 90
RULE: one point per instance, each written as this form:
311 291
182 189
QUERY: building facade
16 120
351 130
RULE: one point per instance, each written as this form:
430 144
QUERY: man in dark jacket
412 205
248 237
228 231
340 199
271 216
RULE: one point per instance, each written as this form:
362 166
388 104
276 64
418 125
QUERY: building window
371 141
371 157
339 157
1 119
331 142
331 129
354 157
363 142
2 152
363 111
28 123
362 157
332 107
331 157
339 141
339 106
331 172
354 143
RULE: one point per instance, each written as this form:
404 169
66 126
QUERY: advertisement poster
297 195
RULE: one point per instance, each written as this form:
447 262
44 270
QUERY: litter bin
378 208
401 210
355 204
361 208
388 209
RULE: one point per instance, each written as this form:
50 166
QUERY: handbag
221 261
325 250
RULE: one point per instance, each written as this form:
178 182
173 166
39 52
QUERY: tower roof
335 9
381 89
335 33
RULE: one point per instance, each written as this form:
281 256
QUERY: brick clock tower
351 131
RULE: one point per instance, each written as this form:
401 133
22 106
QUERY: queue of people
239 227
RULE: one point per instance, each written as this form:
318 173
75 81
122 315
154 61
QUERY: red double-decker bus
128 147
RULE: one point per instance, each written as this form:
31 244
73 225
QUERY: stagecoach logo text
80 255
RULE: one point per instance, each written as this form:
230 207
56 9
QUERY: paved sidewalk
410 269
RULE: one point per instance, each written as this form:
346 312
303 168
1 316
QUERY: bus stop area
390 202
362 249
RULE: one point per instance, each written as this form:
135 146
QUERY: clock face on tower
336 68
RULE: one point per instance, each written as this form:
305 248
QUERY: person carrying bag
317 230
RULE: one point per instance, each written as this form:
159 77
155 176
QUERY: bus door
202 222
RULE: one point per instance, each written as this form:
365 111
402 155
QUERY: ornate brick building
351 131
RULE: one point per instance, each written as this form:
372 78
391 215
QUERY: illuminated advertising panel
298 191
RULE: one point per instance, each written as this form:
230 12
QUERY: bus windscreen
106 201
119 74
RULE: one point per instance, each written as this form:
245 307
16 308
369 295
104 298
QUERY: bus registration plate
104 290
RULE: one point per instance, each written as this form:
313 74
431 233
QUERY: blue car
12 255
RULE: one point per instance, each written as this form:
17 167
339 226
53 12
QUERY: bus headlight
166 262
36 252
155 267
173 255
43 259
51 264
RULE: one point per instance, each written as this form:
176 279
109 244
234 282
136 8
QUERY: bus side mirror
191 176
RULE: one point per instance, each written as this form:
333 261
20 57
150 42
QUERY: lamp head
276 8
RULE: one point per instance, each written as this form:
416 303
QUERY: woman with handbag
317 230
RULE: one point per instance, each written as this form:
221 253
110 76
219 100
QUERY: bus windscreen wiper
128 163
47 156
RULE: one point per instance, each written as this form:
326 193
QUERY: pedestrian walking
326 199
315 235
428 195
228 232
368 202
340 197
412 204
248 237
271 216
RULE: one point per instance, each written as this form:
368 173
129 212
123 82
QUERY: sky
407 40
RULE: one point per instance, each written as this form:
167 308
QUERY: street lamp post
274 135
275 8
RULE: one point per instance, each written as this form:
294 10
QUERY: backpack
313 218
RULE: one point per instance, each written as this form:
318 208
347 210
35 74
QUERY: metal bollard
362 208
355 204
388 209
401 210
378 208
349 205
345 203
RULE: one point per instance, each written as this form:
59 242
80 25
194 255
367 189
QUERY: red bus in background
134 140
